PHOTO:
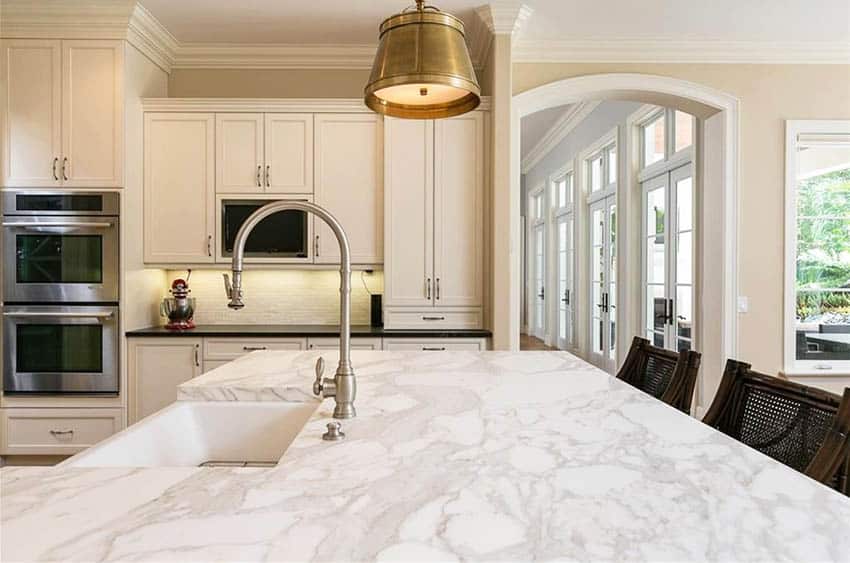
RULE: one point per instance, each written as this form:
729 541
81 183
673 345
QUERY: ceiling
356 22
535 125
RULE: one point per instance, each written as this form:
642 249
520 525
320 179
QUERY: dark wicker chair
805 428
665 375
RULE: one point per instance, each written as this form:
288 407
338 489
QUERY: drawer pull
433 318
253 348
61 432
434 348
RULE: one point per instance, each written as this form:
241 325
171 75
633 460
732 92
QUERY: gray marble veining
483 456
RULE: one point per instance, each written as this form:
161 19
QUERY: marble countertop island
455 455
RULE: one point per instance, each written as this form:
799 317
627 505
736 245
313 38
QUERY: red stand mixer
180 308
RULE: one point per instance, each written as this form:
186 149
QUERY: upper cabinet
434 233
349 184
179 188
264 153
62 113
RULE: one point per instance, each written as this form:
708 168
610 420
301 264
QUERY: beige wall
258 83
769 95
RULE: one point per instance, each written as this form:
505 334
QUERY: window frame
563 173
672 158
791 365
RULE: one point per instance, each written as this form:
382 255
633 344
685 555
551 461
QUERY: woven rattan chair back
666 375
802 427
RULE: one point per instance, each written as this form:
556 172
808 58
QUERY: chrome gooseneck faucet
343 386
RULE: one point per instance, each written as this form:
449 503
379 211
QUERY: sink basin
191 434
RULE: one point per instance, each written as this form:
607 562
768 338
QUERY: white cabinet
31 109
239 153
349 184
409 223
61 431
62 113
231 348
332 343
434 233
436 344
179 188
289 153
92 114
156 367
264 153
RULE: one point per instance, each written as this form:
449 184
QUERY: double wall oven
60 292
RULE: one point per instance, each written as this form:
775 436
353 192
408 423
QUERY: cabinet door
179 187
156 366
239 153
459 210
289 153
332 343
31 108
349 184
408 217
92 114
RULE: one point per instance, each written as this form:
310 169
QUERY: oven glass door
60 349
67 259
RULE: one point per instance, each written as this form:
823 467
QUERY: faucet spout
343 386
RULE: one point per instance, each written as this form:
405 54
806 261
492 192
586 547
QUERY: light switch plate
743 304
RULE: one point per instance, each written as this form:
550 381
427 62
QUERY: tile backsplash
280 296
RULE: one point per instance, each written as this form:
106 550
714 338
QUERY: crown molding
147 34
557 133
688 51
504 16
261 105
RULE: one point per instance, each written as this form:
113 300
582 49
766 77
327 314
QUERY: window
596 165
603 168
563 190
818 245
653 139
612 164
683 125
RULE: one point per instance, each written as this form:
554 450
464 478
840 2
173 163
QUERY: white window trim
672 159
590 153
792 366
562 172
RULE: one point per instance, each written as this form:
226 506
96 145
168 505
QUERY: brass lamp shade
422 69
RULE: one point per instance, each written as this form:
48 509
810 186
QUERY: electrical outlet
743 304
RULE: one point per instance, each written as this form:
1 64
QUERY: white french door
668 259
566 252
538 276
603 283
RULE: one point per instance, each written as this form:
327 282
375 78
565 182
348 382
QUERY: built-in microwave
283 236
60 247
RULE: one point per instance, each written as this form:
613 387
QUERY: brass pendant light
422 69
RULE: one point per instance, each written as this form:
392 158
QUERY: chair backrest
803 427
666 375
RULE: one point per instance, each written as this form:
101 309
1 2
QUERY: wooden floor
527 342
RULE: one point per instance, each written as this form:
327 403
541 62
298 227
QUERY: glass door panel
682 274
611 291
655 259
565 281
539 277
597 278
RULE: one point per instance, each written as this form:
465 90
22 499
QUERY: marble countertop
455 455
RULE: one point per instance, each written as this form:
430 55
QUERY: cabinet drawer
232 348
57 431
436 344
332 343
432 318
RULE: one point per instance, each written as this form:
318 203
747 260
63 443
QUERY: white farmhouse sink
189 434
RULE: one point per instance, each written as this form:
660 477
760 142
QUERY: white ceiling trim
148 35
504 16
689 51
557 133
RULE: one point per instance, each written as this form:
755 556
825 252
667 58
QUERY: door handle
437 294
268 175
670 312
209 245
59 315
259 173
64 166
253 348
55 162
542 294
433 318
316 246
197 357
428 289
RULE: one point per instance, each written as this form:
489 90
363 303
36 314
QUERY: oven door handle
62 315
59 227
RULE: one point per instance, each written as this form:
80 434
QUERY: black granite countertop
305 331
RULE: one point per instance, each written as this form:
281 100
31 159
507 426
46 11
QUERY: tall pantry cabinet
434 222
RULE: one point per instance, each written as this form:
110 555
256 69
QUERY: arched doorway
717 116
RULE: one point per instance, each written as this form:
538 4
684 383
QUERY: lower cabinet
436 344
156 366
59 431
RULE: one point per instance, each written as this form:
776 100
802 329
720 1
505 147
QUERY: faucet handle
228 289
318 387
